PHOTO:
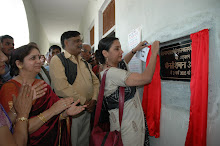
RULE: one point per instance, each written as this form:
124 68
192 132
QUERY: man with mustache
71 76
7 47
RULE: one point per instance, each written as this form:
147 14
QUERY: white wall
91 16
36 32
14 22
165 20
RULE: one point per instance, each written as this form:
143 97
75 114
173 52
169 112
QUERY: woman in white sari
134 128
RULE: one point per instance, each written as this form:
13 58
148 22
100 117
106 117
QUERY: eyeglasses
75 41
78 41
83 50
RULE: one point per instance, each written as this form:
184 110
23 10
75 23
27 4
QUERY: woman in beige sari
133 128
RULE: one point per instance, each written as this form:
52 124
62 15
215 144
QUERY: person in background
48 119
53 50
94 62
98 67
43 74
7 43
85 85
42 59
86 53
133 129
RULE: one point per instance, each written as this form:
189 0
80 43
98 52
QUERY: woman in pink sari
48 118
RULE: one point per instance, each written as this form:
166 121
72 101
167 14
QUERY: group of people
57 110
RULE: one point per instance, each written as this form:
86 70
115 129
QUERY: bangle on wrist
22 119
133 52
61 116
42 118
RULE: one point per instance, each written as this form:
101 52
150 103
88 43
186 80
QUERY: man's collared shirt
84 87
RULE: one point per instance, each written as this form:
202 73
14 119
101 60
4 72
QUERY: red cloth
196 135
151 101
95 69
47 134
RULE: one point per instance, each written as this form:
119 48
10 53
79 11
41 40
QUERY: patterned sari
53 132
4 119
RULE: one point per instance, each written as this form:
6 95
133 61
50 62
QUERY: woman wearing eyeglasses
48 119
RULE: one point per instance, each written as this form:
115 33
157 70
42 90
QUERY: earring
19 67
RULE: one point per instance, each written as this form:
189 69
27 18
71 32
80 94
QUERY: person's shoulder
10 86
111 71
116 73
10 83
55 58
115 69
54 62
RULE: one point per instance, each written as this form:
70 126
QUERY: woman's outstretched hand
39 89
61 105
74 110
140 46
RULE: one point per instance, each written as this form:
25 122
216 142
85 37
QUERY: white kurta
133 124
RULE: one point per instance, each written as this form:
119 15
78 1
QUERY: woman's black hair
104 44
19 54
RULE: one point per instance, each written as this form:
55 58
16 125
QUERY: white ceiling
58 16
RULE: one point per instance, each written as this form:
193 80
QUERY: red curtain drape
151 101
196 135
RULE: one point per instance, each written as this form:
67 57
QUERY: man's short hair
67 35
53 47
6 37
87 44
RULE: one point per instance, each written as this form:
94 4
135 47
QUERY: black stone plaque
175 59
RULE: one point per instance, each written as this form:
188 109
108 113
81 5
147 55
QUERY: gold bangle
22 119
61 116
42 118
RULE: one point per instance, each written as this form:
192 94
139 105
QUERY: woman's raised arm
137 79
